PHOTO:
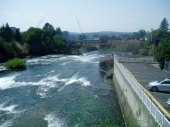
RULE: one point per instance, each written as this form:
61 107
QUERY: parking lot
146 73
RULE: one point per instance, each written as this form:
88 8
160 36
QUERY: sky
85 15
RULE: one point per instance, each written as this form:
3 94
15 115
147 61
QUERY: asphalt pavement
146 73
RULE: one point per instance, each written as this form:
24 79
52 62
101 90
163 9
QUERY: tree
49 30
18 35
60 44
164 25
160 34
3 50
142 33
58 31
35 41
33 37
104 38
139 35
162 53
6 33
48 26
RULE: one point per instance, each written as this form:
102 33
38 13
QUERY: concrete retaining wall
135 112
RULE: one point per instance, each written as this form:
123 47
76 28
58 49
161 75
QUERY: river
59 91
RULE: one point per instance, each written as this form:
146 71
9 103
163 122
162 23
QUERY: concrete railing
145 96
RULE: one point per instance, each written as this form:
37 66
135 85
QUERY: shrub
16 63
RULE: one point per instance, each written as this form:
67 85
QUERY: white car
163 85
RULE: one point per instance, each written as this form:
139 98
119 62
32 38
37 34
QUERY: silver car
163 85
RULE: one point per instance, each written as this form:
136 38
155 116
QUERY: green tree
104 38
35 41
33 37
142 33
58 31
9 50
139 35
48 26
6 33
162 53
49 30
163 30
18 35
164 25
3 50
160 34
60 44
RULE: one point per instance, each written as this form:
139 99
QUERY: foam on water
6 123
86 58
38 75
83 58
51 82
65 63
39 61
44 84
74 79
8 109
7 82
71 80
3 68
83 81
53 121
51 71
63 58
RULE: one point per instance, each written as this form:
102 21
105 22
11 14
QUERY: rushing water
59 91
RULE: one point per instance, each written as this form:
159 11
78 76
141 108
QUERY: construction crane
38 25
80 28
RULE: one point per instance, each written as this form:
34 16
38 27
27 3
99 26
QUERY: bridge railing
159 117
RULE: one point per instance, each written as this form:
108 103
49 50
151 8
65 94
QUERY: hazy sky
93 15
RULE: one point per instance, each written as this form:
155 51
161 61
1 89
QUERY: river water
59 91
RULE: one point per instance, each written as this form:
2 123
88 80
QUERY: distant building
95 38
14 29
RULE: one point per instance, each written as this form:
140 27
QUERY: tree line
48 40
160 38
33 42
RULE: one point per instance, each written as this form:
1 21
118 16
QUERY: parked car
163 85
168 102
